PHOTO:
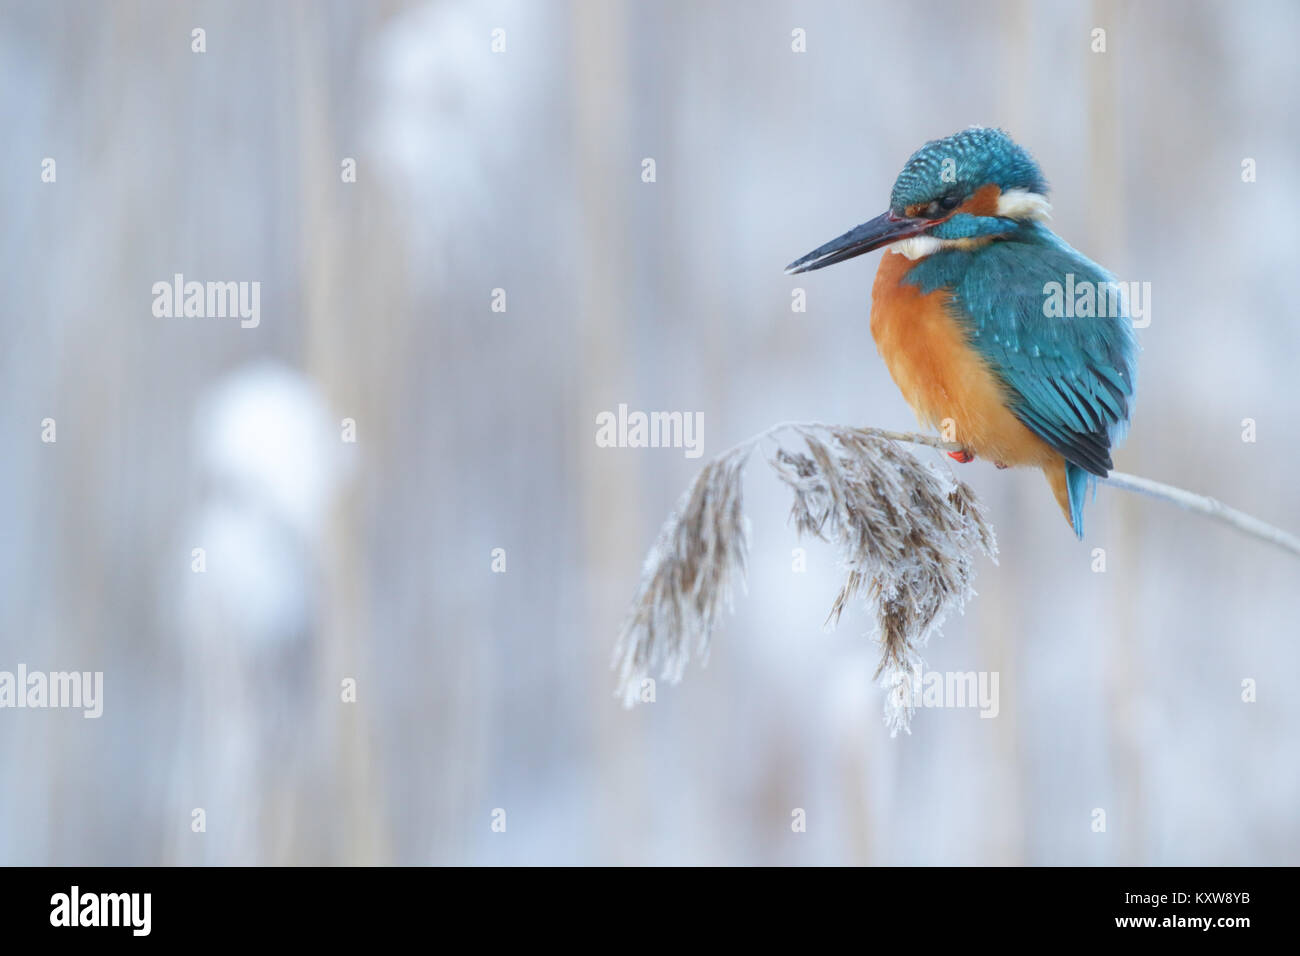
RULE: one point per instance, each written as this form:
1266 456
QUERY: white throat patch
918 246
1023 204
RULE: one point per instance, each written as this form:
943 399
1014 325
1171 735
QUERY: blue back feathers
1070 379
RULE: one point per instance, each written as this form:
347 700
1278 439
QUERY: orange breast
947 383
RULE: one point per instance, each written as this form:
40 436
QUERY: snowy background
521 170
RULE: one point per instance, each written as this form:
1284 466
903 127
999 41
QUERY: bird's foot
963 456
1001 465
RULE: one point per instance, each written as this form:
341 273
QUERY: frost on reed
688 578
907 534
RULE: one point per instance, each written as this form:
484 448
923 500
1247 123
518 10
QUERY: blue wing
1069 378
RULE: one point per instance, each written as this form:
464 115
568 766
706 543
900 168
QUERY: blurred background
521 170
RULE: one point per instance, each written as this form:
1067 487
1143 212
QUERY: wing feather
1069 378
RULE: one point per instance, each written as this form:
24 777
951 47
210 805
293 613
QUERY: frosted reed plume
688 578
907 534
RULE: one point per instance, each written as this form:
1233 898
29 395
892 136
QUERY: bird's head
970 186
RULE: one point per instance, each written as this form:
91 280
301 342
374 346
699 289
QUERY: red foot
963 456
999 464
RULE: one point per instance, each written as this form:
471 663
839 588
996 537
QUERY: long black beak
881 231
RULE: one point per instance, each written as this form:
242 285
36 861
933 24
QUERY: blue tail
1076 482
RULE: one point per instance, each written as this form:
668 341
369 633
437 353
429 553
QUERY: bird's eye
941 206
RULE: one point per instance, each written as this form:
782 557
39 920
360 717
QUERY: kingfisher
962 314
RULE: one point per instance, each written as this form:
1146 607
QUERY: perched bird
966 312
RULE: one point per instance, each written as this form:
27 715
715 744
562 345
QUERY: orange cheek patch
983 203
